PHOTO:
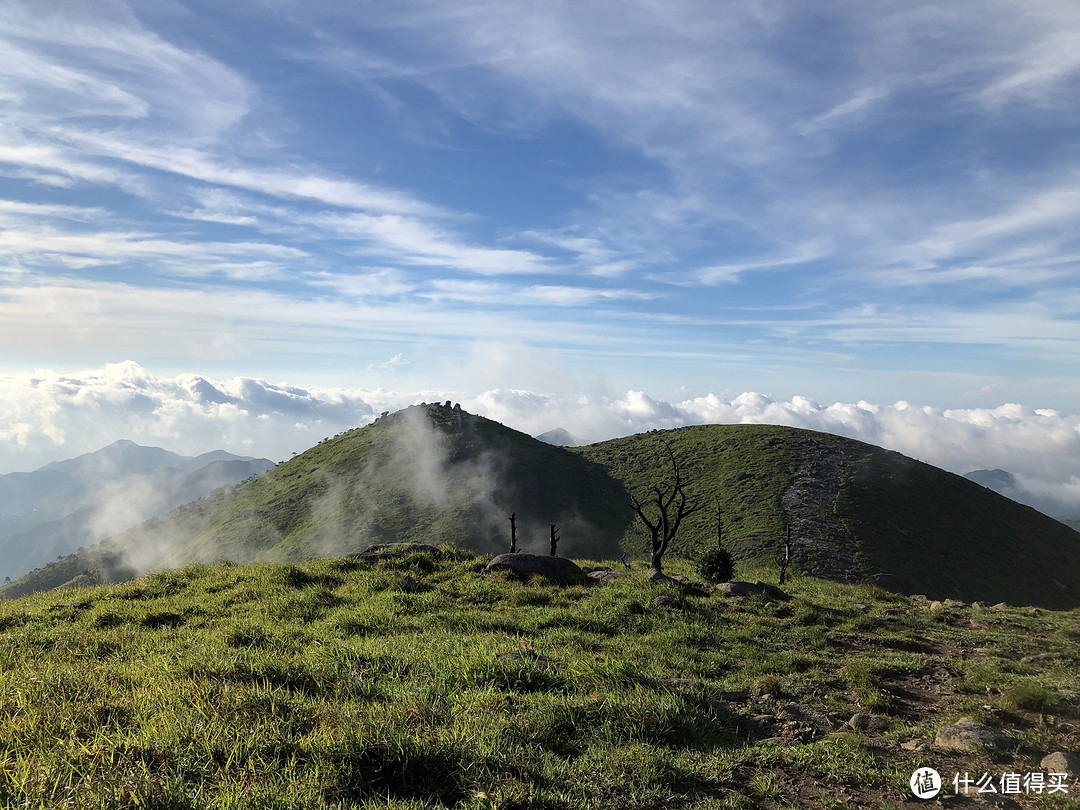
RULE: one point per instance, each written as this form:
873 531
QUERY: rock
771 605
1000 606
967 735
936 606
791 711
664 602
919 597
409 585
772 591
658 577
737 589
978 605
1061 762
606 574
391 551
557 569
868 722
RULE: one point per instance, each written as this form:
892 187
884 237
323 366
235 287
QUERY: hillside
436 474
61 487
119 504
428 681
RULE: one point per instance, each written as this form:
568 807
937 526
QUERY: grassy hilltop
430 682
436 474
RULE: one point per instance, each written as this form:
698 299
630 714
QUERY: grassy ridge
740 469
436 474
332 684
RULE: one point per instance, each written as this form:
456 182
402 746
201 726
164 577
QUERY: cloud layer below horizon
47 416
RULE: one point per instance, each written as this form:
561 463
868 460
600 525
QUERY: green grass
329 684
433 474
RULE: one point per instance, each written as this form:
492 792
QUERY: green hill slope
436 474
429 682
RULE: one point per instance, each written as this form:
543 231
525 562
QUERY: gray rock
658 577
968 735
868 722
1061 762
738 588
664 602
391 551
557 569
936 607
606 575
1000 606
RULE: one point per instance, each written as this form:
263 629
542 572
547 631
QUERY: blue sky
837 200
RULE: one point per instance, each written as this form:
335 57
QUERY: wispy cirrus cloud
684 192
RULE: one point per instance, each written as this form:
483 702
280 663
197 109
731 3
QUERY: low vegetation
423 681
435 474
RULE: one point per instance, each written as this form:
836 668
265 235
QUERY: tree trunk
656 561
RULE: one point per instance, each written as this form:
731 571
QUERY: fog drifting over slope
47 416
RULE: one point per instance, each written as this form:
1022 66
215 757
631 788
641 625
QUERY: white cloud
48 415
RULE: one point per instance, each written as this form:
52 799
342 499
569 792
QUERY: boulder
391 551
868 722
603 575
968 735
557 569
658 577
1061 762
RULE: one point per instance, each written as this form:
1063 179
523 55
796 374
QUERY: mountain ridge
435 473
79 501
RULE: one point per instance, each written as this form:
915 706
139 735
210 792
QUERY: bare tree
664 510
513 532
783 562
554 538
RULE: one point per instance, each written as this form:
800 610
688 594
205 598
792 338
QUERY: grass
333 684
434 474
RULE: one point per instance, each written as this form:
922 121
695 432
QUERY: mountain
559 437
437 474
1005 483
73 503
61 487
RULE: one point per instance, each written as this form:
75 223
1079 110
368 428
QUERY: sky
596 215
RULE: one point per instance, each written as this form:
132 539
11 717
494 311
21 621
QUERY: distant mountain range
56 509
1005 483
854 512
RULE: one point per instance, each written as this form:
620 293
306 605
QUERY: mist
46 416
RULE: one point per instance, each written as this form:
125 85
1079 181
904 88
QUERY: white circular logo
926 783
